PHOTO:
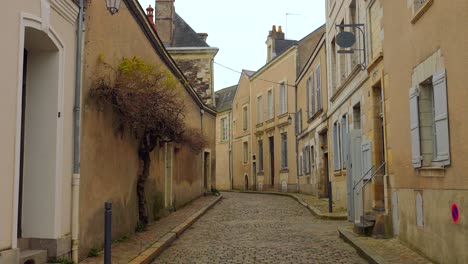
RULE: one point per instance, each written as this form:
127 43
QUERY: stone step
33 257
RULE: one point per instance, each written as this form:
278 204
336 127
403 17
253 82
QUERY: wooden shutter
336 153
442 143
344 140
366 159
319 87
312 96
414 126
307 98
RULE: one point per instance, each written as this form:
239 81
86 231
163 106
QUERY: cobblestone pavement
256 228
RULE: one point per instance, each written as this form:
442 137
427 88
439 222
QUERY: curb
148 255
316 212
366 253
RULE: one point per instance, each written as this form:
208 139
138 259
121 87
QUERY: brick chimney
150 15
165 20
273 35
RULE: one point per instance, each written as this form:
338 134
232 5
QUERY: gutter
296 133
76 137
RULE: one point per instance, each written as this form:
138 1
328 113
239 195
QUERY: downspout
296 133
202 155
76 137
230 150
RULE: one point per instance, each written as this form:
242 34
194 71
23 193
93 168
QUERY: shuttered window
260 155
283 98
284 150
344 141
259 110
270 104
318 76
245 117
430 143
224 129
336 147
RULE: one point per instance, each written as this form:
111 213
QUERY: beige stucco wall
54 20
281 69
109 160
223 181
406 46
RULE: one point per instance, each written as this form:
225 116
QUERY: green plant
141 227
61 260
123 239
215 191
93 252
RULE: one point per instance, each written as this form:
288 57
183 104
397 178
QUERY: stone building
36 108
312 124
224 99
425 97
188 48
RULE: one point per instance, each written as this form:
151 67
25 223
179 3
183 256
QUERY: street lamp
113 6
289 120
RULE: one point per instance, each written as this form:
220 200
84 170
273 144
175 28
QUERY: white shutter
367 159
312 95
336 153
414 126
307 98
344 138
442 146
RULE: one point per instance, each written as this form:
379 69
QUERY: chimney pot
150 14
280 29
274 28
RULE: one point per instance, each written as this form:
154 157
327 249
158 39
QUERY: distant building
188 48
224 99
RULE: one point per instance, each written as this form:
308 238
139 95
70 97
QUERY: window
307 159
312 156
334 72
246 152
344 141
429 122
418 4
283 94
259 110
270 104
353 18
224 129
301 164
245 118
284 151
260 155
336 147
298 120
357 116
318 76
310 97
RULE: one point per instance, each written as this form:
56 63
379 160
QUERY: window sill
431 172
345 83
260 173
283 115
315 115
284 170
421 11
259 124
270 120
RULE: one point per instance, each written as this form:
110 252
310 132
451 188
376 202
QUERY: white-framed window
430 142
283 98
259 109
245 118
307 159
298 120
245 150
224 129
344 141
301 164
284 150
271 111
318 77
310 96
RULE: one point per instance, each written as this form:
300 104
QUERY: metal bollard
107 232
330 197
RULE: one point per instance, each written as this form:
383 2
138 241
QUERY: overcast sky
240 28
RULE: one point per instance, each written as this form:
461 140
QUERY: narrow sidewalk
141 247
381 251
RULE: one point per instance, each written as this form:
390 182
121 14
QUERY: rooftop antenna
289 14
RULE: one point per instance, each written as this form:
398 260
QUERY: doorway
246 183
206 170
272 160
40 138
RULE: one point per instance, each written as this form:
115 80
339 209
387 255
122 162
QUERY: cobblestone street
255 228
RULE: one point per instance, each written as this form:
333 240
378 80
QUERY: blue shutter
414 126
441 128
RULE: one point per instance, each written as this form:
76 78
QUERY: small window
357 116
284 151
224 129
260 155
310 97
246 152
283 94
259 110
270 104
336 146
245 117
318 77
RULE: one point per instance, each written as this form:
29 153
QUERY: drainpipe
230 150
296 133
76 138
202 155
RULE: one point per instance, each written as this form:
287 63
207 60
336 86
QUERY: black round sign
345 39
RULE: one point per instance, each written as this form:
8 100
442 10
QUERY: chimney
150 15
165 12
273 36
204 36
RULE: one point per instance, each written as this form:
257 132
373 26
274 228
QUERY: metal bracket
361 28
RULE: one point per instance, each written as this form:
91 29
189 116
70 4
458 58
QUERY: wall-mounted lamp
113 6
289 120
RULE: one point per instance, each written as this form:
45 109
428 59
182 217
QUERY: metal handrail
362 178
373 174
